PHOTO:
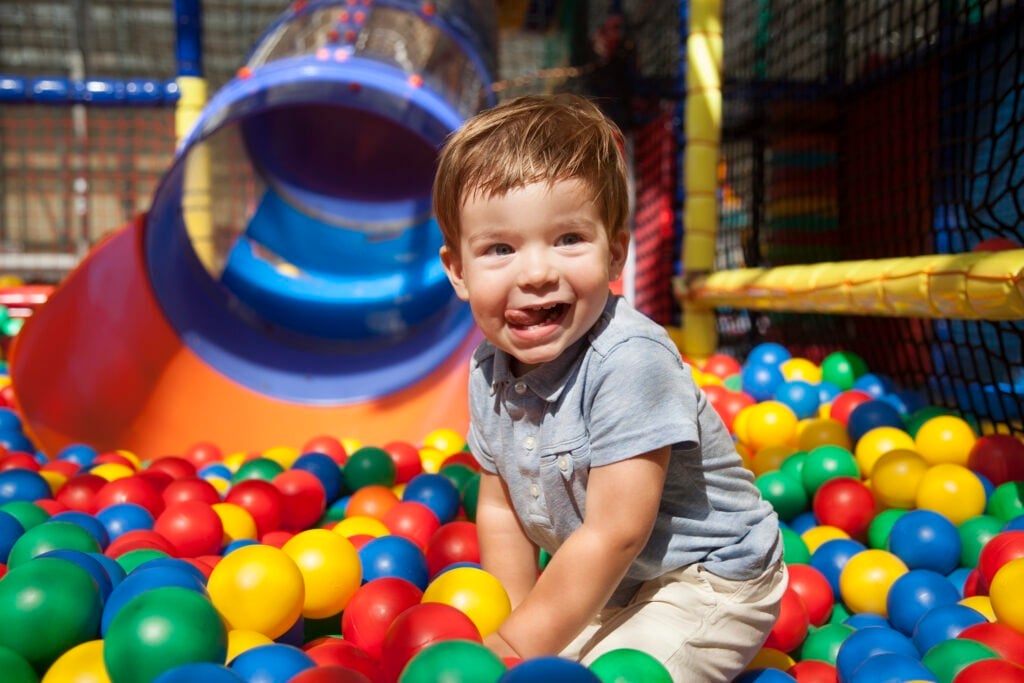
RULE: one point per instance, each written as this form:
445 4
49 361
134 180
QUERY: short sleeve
643 398
479 446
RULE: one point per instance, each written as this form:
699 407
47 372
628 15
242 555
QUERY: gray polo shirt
621 391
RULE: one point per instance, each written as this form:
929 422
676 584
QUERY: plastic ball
303 499
436 492
81 664
394 556
87 522
1000 457
190 489
801 369
786 494
1004 591
846 503
822 431
817 536
891 667
945 439
192 527
794 550
990 671
373 500
368 466
832 557
814 590
823 643
453 542
730 404
273 663
1006 641
325 469
948 658
453 661
258 588
813 671
373 608
868 643
340 652
951 490
121 518
871 414
924 539
866 578
474 592
79 492
881 528
262 500
877 442
769 458
914 594
942 623
721 365
895 477
770 423
1007 501
417 628
23 484
330 568
50 535
549 668
827 462
132 489
760 380
800 397
843 405
790 627
627 665
842 368
769 353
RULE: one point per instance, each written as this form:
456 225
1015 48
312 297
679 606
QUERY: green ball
457 473
470 493
794 550
733 382
842 368
881 527
47 606
453 661
952 656
974 534
28 514
42 538
134 558
263 469
827 462
16 668
823 643
840 613
627 665
369 466
161 629
793 465
785 493
1007 501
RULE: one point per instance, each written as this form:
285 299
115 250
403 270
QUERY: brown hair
531 139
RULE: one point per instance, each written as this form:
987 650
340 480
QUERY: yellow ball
865 581
951 490
237 522
257 588
360 525
221 484
771 658
474 592
447 441
770 458
130 457
350 444
235 460
112 471
55 479
331 570
896 476
816 535
432 459
801 369
240 640
771 423
1004 592
81 664
877 442
981 604
945 438
821 431
284 456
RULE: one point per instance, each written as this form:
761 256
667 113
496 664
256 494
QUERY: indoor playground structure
232 432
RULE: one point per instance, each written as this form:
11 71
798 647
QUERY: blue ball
800 396
9 420
1015 524
869 415
14 440
207 672
325 470
874 384
10 531
238 543
943 623
831 556
216 469
394 556
925 539
891 668
549 668
137 583
89 563
905 402
827 391
769 353
114 570
171 564
437 492
78 453
915 593
295 635
803 521
761 380
958 577
866 620
866 643
272 663
88 522
764 676
121 518
23 485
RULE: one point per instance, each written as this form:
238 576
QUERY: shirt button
535 491
520 387
529 442
563 463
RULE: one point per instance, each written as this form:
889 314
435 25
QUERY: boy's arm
622 504
505 550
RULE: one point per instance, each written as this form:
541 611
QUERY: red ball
420 626
790 628
19 460
68 468
174 465
157 478
330 651
191 488
373 608
132 489
261 499
329 674
845 503
276 538
1001 548
721 365
845 402
990 671
407 460
813 671
304 499
730 405
138 539
1005 640
462 458
999 457
453 542
79 492
972 583
113 457
412 520
996 244
329 446
815 590
192 527
51 506
203 453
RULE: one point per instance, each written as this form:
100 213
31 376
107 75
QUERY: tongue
526 317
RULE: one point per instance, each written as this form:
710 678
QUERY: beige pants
700 626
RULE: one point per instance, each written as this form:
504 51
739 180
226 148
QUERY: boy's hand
499 646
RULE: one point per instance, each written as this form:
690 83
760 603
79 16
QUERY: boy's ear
618 249
453 268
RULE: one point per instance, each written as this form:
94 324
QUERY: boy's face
534 265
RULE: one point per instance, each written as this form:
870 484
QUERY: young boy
595 443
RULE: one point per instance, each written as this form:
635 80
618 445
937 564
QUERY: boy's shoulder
622 323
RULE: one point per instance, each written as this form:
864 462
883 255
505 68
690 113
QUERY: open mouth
526 318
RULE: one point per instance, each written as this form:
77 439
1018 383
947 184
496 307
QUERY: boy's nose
536 270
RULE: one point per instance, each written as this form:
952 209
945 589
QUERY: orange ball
371 501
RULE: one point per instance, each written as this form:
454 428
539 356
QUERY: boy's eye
499 250
570 239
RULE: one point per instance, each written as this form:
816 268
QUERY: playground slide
285 281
